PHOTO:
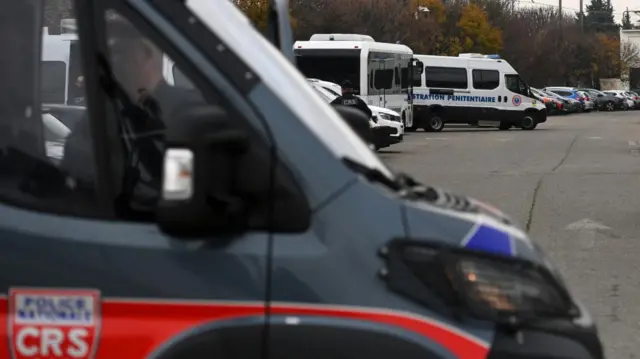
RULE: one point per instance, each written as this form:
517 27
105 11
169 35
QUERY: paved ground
574 183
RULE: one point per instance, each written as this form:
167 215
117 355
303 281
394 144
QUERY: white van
472 89
60 69
379 71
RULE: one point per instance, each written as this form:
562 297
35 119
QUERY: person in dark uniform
148 103
79 99
349 99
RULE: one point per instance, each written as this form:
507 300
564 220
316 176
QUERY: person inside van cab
348 98
145 101
80 98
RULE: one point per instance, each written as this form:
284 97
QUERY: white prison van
380 72
473 89
60 69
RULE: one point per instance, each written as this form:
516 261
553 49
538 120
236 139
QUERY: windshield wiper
372 174
408 188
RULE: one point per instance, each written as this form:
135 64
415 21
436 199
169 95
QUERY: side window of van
515 84
372 65
383 79
485 79
53 75
446 77
180 79
417 79
33 135
396 77
76 77
372 90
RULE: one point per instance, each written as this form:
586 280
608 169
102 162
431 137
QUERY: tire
528 123
504 126
434 123
610 106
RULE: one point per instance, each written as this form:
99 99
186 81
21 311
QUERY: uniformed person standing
349 99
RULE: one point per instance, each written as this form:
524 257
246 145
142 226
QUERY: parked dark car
571 93
605 101
553 106
569 105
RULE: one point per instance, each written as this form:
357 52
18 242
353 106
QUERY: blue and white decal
454 98
516 100
487 238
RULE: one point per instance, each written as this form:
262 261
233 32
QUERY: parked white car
589 103
633 97
55 135
621 94
383 116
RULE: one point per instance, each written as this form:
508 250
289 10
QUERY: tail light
545 100
559 105
580 98
587 98
635 97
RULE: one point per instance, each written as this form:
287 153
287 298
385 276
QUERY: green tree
599 16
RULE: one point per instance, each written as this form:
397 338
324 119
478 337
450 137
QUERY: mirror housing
357 120
219 178
419 66
196 197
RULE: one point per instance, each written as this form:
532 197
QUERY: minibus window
331 65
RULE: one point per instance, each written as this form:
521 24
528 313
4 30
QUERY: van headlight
487 286
504 289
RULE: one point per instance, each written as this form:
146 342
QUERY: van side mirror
218 177
202 145
419 66
357 120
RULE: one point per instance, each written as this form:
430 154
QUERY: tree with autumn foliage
258 12
529 38
476 32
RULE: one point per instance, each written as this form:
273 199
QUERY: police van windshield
332 65
284 79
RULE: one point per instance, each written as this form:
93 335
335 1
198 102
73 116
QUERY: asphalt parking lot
573 183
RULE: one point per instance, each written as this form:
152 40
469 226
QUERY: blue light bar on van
494 56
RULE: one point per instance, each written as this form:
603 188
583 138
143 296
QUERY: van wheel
529 123
504 126
434 123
